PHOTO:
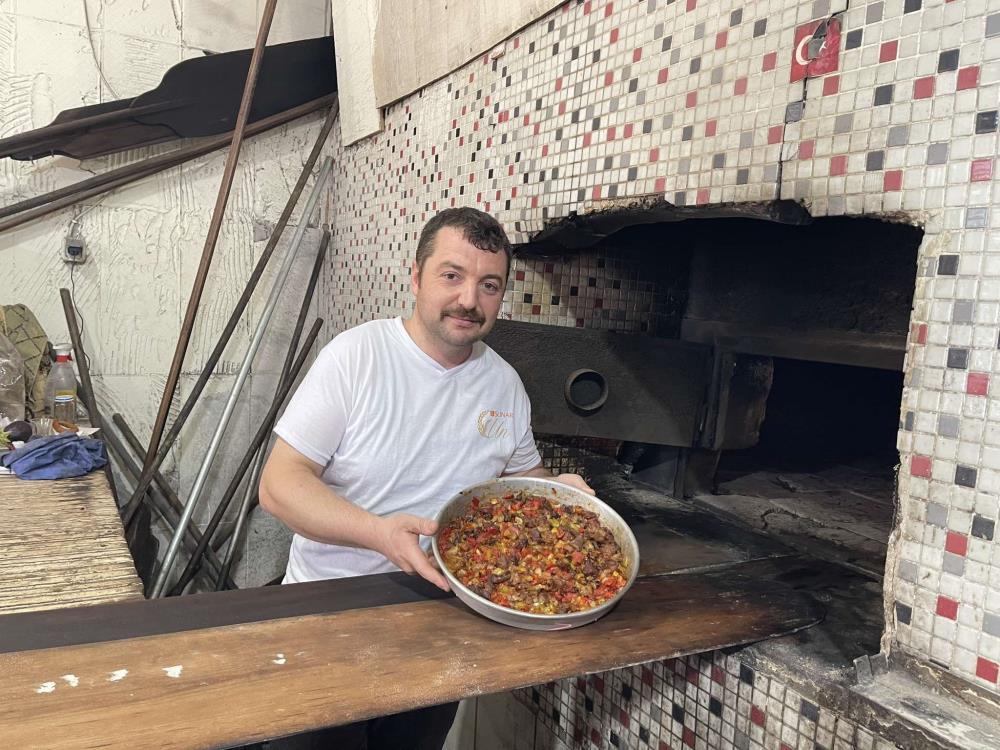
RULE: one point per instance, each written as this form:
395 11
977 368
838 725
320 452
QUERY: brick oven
800 196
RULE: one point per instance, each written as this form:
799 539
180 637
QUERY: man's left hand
575 480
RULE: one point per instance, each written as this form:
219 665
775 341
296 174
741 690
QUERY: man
392 420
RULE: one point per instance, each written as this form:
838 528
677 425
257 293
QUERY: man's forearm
539 471
311 509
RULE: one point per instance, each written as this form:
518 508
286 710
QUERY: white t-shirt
398 433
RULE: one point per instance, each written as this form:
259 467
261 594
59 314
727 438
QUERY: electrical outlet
75 250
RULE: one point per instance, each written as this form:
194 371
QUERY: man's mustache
458 312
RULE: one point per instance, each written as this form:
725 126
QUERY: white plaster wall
145 241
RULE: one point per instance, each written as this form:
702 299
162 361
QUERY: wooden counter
216 670
61 545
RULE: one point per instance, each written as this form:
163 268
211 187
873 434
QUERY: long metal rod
215 226
173 503
42 205
234 319
87 392
258 440
250 491
213 448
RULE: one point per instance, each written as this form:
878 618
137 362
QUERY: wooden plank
655 386
61 545
217 687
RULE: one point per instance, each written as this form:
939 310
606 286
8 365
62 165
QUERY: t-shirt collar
477 352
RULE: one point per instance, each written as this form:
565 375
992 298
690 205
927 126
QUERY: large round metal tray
557 492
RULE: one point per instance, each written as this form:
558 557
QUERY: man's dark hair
477 227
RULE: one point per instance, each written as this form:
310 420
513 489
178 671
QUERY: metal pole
214 227
128 514
258 440
250 491
227 412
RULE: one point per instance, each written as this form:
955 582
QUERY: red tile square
637 54
688 736
623 717
757 716
892 180
664 745
609 9
691 5
968 78
536 309
740 87
596 193
545 152
923 88
611 133
806 149
534 201
647 676
562 107
598 682
586 138
559 83
587 7
977 384
721 39
838 165
519 275
783 746
947 607
774 133
661 185
614 35
711 127
921 333
987 670
770 61
654 154
628 130
595 736
982 170
691 99
692 675
831 85
718 676
517 42
957 544
701 197
663 75
920 466
888 51
609 78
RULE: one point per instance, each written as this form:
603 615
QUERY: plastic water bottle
60 389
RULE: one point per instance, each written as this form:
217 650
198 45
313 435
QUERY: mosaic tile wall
887 107
709 701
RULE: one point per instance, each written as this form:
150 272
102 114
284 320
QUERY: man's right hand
399 540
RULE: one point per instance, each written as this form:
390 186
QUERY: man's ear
414 277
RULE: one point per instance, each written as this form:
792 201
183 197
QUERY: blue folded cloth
56 457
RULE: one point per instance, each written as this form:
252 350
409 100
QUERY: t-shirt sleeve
317 414
525 454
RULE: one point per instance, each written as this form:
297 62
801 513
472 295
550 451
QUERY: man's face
459 290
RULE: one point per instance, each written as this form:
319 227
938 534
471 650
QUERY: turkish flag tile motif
827 60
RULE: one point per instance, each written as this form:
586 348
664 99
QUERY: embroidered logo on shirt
493 424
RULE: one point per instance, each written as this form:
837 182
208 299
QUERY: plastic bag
11 381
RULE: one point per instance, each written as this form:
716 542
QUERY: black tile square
588 703
853 39
736 17
715 706
680 198
695 64
965 476
742 176
678 713
555 715
809 710
874 160
574 291
614 740
555 299
746 674
983 527
907 418
633 85
909 6
883 95
667 42
596 57
647 127
626 692
948 60
535 697
528 298
986 122
947 265
687 132
958 359
718 161
644 734
904 613
591 281
760 27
